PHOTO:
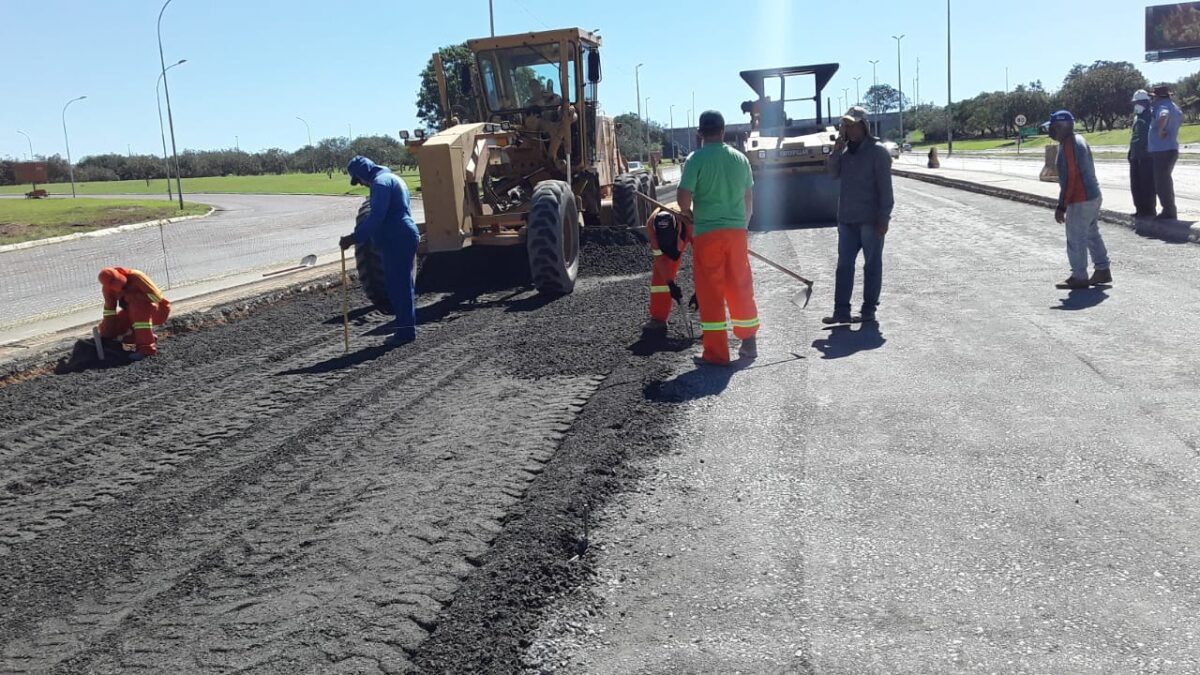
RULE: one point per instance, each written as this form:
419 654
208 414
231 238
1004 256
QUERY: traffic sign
1021 120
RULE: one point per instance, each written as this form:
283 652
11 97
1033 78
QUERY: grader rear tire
552 238
626 205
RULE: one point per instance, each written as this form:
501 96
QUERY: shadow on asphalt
693 385
649 346
340 362
1083 298
844 341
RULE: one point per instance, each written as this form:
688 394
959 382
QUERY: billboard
31 172
1173 31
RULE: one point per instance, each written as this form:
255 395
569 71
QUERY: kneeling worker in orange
715 194
142 307
668 241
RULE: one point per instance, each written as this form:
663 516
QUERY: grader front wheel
552 238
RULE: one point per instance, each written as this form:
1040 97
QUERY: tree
429 103
632 139
882 98
1098 94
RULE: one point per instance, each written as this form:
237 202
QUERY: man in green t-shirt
715 194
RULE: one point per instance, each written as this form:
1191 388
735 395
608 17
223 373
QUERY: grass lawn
292 183
29 219
1188 133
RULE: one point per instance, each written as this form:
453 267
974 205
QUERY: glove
136 356
346 241
676 292
694 303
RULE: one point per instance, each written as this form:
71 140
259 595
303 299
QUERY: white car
634 166
892 148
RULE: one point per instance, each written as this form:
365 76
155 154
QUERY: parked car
907 147
892 148
635 165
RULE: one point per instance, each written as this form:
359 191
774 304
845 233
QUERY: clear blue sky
254 65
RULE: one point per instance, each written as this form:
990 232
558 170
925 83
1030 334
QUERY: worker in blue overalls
389 227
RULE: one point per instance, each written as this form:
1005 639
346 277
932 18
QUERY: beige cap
856 113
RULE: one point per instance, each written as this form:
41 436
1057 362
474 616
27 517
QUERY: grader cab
538 163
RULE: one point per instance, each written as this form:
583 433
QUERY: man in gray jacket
864 169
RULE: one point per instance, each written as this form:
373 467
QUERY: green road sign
1026 132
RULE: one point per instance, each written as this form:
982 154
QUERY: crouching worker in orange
142 307
715 194
668 240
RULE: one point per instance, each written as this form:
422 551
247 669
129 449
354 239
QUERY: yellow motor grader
787 156
541 163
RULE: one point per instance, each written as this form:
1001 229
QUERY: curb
100 233
47 356
1174 230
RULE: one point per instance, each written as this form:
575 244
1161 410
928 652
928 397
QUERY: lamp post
900 86
162 132
170 118
846 97
312 166
689 131
671 123
949 99
646 125
492 18
637 78
27 139
874 76
67 140
857 91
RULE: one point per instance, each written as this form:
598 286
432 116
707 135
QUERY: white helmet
1141 96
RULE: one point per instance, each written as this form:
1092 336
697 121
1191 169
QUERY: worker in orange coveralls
142 307
668 236
715 195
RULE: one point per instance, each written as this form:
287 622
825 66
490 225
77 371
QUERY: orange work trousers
721 262
665 271
139 316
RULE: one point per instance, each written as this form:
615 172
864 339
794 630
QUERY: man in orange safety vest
132 304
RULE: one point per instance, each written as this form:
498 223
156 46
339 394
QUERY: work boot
836 319
1073 283
748 348
1165 215
397 340
654 329
865 317
1103 276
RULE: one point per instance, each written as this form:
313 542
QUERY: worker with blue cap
390 227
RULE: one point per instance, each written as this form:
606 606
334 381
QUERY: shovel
305 263
96 341
808 285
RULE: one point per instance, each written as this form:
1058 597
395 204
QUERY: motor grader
787 156
540 163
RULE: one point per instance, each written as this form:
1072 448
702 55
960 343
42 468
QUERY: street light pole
170 117
874 76
671 123
162 132
492 18
845 97
900 86
949 98
67 140
857 91
637 77
646 125
27 139
689 131
311 161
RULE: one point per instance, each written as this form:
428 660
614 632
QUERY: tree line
1098 95
330 155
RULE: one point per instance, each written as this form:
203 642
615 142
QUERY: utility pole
900 84
949 98
492 18
646 125
311 160
237 143
917 84
857 91
637 77
874 75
